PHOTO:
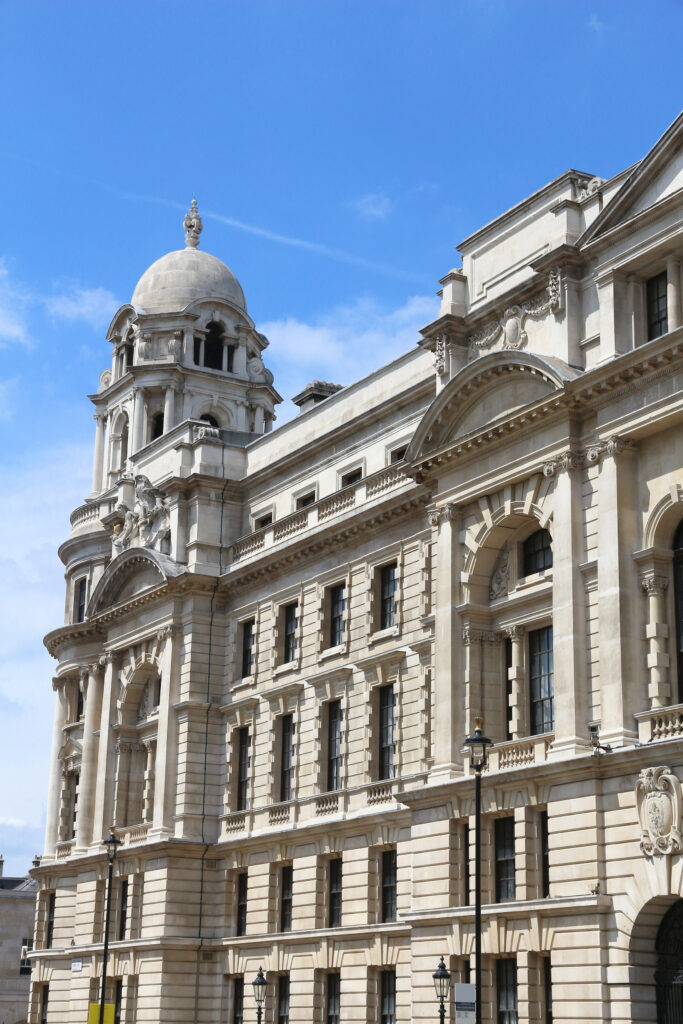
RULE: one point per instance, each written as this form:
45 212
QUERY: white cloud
8 389
14 300
373 206
94 305
595 24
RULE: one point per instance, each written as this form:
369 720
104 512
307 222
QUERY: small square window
352 477
304 500
260 522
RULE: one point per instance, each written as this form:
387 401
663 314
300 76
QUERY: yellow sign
94 1013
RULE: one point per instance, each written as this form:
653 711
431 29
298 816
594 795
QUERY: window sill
288 666
332 652
383 634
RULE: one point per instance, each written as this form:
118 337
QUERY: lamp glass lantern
259 983
478 744
442 981
111 845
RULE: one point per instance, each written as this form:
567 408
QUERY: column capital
514 632
654 584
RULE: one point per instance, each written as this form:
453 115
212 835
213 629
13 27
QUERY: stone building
276 642
17 913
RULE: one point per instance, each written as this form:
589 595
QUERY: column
99 453
569 611
449 700
258 419
166 751
169 408
55 788
224 361
138 418
148 780
103 816
673 294
91 680
657 636
519 725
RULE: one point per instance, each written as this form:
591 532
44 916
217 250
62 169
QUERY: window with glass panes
286 888
387 604
290 622
388 885
388 997
75 779
545 853
243 767
541 680
123 909
466 864
332 1000
238 1001
505 858
537 553
50 920
507 710
678 601
25 962
287 757
81 587
118 1000
335 718
283 999
241 917
248 648
387 703
506 990
656 306
337 608
335 892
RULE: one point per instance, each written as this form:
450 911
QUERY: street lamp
110 844
259 984
442 984
478 744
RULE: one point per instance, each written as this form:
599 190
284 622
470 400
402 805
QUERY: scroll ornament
511 325
658 799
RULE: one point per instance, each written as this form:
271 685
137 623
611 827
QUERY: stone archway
643 958
669 969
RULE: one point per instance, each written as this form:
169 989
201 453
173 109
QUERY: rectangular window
388 885
238 1001
387 704
506 986
75 779
547 990
537 553
304 500
286 889
348 479
289 613
79 603
337 609
197 351
283 999
545 855
243 767
332 999
387 606
25 962
118 1000
335 892
656 306
44 997
466 864
50 920
248 648
241 918
388 997
398 454
541 680
261 522
123 909
287 758
505 859
80 704
335 719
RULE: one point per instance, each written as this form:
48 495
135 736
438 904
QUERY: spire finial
192 225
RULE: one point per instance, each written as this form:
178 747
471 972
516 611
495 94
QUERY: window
25 961
210 421
80 705
505 859
123 909
305 500
290 626
387 606
128 352
44 997
541 680
287 758
262 521
286 887
157 426
332 1000
243 766
335 718
547 990
337 608
388 885
352 477
398 454
388 997
213 347
506 985
118 999
197 351
75 779
545 855
335 892
655 290
537 553
50 920
387 703
507 710
238 1001
283 999
678 599
79 602
248 648
241 919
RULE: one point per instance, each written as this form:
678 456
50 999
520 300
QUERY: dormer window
537 553
656 306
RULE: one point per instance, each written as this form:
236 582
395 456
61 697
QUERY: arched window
211 420
669 972
678 598
537 553
123 449
213 347
157 426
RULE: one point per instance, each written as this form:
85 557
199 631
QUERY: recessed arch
664 519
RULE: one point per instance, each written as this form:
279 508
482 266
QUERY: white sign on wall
464 1003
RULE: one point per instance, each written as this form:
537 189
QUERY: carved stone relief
658 799
500 577
511 324
148 524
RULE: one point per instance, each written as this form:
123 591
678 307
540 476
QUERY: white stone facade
275 643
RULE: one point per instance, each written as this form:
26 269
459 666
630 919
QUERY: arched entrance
669 970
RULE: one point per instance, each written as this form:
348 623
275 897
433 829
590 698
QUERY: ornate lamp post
478 744
259 984
110 844
442 984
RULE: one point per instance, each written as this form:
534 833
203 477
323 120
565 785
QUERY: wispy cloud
8 390
14 301
373 206
96 306
595 24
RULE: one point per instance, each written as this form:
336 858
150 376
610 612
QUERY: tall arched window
537 553
213 347
678 599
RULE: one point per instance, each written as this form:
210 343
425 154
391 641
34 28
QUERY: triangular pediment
657 177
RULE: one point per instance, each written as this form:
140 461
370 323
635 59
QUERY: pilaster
448 690
106 762
91 682
55 788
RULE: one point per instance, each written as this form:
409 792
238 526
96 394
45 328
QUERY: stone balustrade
660 724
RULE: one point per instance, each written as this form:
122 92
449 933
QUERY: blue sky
339 151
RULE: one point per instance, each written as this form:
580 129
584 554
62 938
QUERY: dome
183 276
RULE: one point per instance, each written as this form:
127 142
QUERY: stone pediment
133 573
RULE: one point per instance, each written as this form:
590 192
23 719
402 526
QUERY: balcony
660 724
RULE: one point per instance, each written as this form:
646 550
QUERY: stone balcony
660 724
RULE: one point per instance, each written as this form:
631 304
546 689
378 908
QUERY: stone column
148 780
55 788
138 418
224 361
91 681
448 697
673 294
519 725
258 419
103 816
166 756
657 636
169 408
99 453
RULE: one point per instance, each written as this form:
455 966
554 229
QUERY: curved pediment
485 392
134 572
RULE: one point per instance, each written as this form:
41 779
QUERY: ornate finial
192 225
